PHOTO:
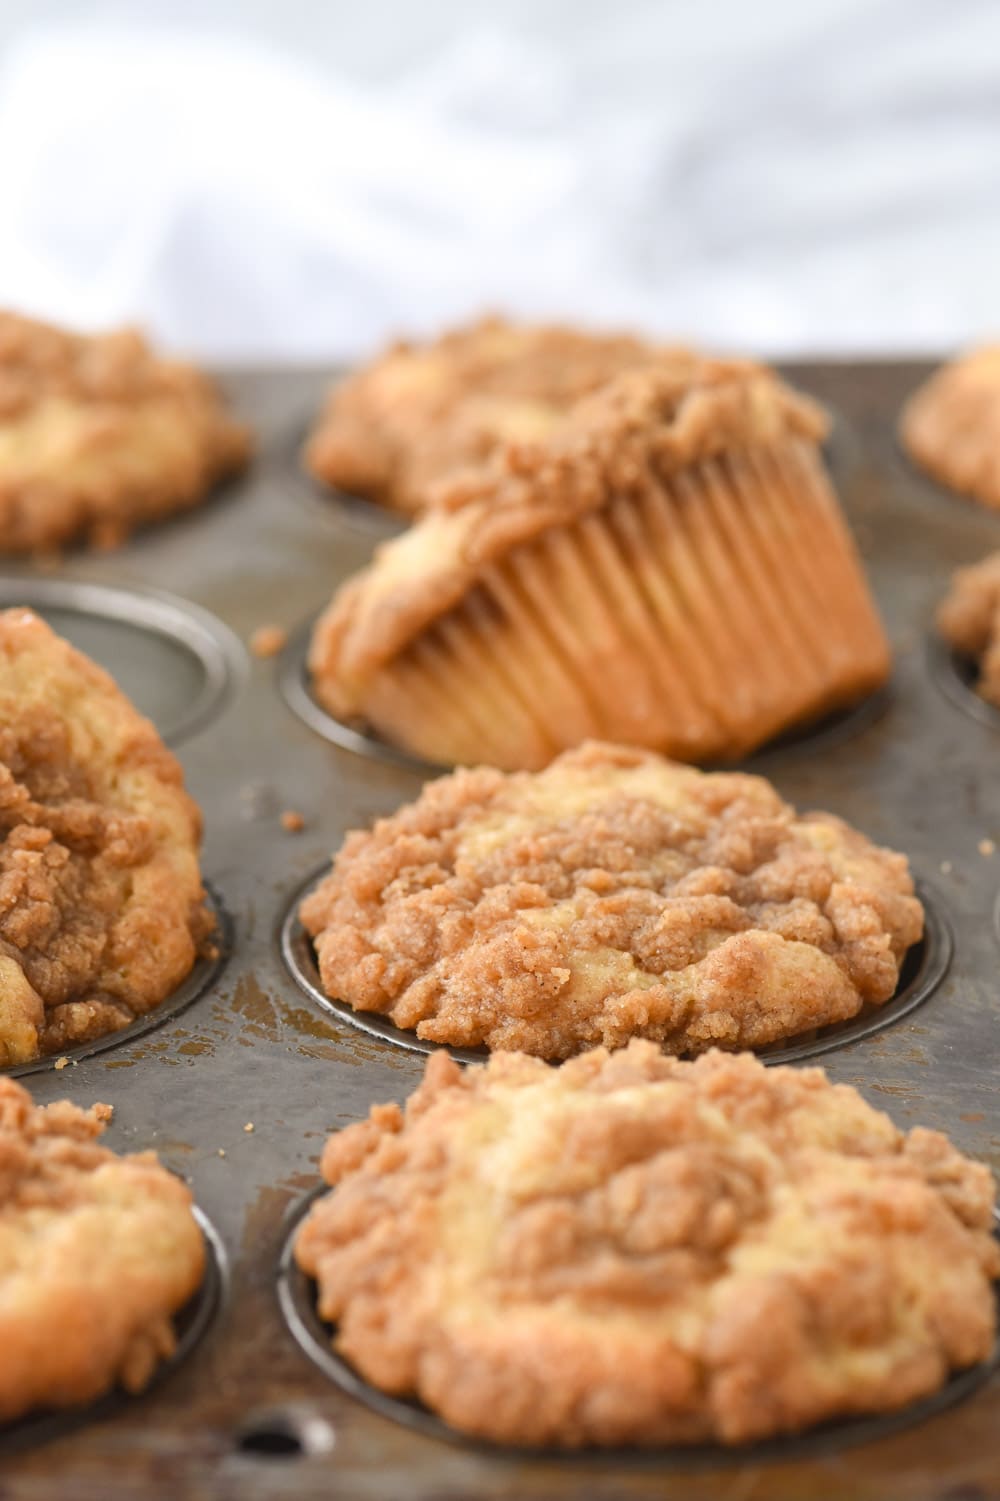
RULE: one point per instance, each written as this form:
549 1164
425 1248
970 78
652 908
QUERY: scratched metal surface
253 1048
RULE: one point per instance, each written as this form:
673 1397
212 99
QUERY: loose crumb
946 867
104 1112
292 821
268 640
222 1151
249 1126
62 1063
986 847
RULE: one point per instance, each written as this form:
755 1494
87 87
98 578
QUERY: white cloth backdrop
775 177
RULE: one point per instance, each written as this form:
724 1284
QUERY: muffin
636 1250
418 413
670 569
97 1253
951 426
98 436
969 620
613 895
102 909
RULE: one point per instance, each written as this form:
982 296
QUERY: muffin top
631 1249
98 434
613 895
642 425
400 426
102 909
951 425
96 1253
969 620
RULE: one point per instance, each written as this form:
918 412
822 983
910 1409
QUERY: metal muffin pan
249 1415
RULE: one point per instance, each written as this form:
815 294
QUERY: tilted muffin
102 909
613 895
969 620
97 1253
99 435
400 426
670 569
635 1250
951 426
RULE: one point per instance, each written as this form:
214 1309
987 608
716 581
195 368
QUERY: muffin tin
246 1412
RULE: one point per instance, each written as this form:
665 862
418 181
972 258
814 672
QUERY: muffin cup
698 616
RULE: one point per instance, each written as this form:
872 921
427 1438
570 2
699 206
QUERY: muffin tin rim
204 1308
936 951
208 640
203 975
296 1299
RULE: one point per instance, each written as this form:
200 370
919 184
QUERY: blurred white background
297 179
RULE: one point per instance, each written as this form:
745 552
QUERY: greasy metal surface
254 1049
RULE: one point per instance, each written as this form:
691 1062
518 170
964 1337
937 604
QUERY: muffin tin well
297 1295
924 967
204 976
191 1324
239 1090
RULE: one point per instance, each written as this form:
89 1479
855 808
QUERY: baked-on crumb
631 1249
613 895
419 414
987 848
292 821
951 425
98 435
97 1253
102 909
968 618
268 640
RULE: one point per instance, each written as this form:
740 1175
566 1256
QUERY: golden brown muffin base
635 1250
97 1252
403 426
102 909
951 426
613 895
969 620
98 436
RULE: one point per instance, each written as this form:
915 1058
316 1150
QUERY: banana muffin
97 1253
102 909
98 435
969 620
613 895
631 1249
670 569
419 413
951 426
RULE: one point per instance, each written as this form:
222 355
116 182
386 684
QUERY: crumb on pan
631 1249
292 821
987 847
98 1253
268 640
615 894
98 436
102 909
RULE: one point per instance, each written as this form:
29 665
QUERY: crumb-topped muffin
419 413
611 896
102 909
99 435
97 1253
951 426
670 569
636 1250
969 620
